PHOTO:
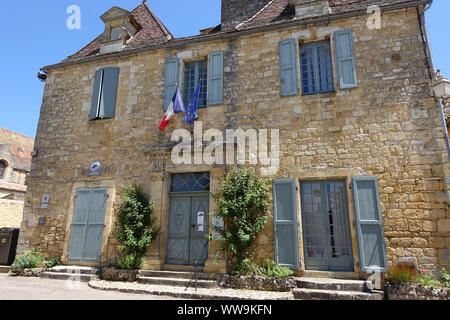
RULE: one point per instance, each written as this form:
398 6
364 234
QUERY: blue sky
36 35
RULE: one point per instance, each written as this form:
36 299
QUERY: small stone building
360 183
15 162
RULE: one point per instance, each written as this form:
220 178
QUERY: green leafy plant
53 262
28 260
426 279
242 203
445 278
401 275
135 231
276 271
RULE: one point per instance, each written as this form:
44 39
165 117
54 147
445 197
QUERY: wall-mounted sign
218 226
95 169
95 166
42 221
200 221
46 198
45 201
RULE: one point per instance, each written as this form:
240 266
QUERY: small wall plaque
42 221
90 173
46 198
94 170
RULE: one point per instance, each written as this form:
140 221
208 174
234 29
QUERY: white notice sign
218 225
200 221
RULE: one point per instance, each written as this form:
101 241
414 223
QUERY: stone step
179 275
334 284
161 281
72 276
5 269
75 270
315 294
169 267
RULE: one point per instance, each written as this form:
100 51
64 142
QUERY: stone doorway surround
109 218
159 189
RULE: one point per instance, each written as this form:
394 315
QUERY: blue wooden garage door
88 222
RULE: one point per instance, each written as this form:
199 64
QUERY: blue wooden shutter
79 225
345 59
170 80
285 223
109 92
215 76
288 68
95 224
369 225
96 93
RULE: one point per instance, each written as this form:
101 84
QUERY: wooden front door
326 228
187 242
88 222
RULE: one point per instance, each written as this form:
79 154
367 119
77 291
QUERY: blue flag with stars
191 109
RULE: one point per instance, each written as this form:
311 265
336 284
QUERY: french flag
175 106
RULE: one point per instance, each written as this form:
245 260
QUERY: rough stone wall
389 127
10 213
15 151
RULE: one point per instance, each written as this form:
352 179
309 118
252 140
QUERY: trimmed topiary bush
135 231
242 203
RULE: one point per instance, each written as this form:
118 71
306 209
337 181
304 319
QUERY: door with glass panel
326 227
187 242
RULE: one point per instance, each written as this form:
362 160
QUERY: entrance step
334 284
84 274
335 289
329 274
170 267
317 294
5 269
179 275
178 282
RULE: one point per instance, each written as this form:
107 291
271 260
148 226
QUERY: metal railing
195 277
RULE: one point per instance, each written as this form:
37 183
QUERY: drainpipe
433 71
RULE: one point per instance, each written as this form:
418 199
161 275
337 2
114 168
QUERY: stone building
15 162
361 180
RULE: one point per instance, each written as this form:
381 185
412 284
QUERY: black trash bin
8 245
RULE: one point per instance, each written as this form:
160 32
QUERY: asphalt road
20 288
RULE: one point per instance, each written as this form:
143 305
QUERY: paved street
20 288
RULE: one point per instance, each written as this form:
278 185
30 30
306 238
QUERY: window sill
101 119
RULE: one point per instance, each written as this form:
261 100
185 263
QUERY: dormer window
120 27
310 8
115 33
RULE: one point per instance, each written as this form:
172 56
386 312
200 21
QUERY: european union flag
191 109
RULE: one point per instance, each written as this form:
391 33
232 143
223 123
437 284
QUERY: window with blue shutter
316 68
369 224
170 80
345 59
215 85
195 73
104 93
288 68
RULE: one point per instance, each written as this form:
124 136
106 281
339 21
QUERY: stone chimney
237 11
